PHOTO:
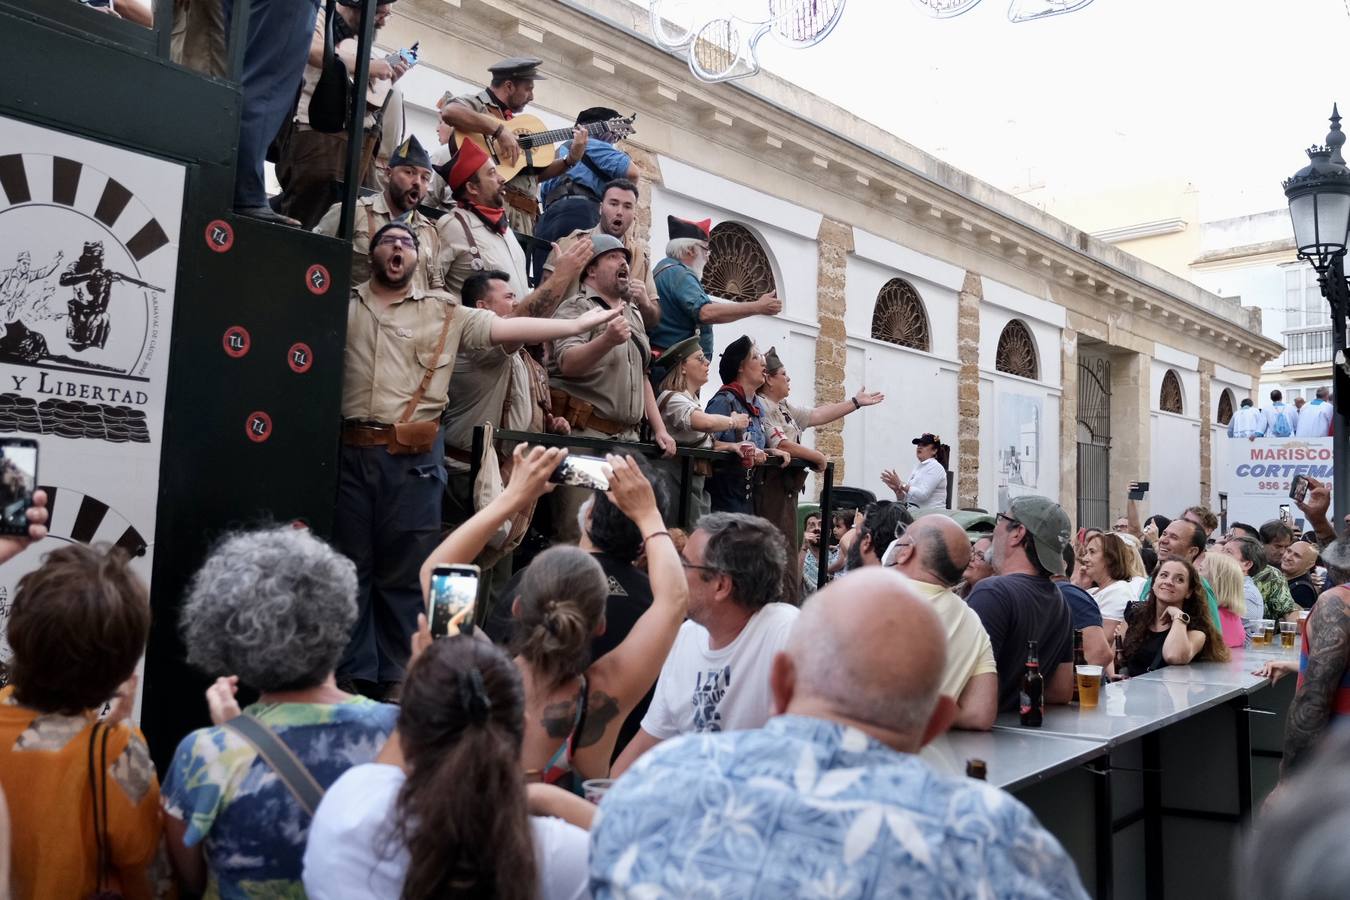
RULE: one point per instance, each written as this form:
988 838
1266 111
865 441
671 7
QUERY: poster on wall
1019 446
1257 474
88 260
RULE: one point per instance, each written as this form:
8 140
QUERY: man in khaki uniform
407 185
401 346
599 377
476 234
485 113
618 211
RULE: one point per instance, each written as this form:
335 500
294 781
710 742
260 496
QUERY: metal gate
1094 443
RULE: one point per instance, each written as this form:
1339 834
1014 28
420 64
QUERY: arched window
1017 351
1169 398
899 316
738 268
1225 413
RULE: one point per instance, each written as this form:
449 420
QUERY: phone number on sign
1272 485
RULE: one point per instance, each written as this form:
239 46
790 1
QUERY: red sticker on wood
316 279
219 235
236 341
258 427
300 358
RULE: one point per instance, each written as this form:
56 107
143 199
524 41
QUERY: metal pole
356 118
1338 296
823 559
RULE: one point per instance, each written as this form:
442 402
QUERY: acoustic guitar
538 144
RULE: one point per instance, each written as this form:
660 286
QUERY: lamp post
1319 205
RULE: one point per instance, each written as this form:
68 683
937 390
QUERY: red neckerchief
735 388
501 107
494 217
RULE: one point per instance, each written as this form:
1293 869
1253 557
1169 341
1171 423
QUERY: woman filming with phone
443 810
574 707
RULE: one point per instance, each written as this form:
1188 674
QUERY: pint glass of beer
1089 685
1287 632
1267 632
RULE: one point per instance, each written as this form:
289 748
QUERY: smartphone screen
590 472
18 480
1138 490
454 591
1298 488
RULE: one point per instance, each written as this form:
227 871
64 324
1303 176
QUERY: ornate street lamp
1319 206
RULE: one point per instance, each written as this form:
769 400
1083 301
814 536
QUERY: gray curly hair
274 606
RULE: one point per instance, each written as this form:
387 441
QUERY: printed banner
88 260
1258 473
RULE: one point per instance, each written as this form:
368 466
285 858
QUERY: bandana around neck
493 216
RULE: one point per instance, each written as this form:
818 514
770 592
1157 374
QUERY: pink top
1234 635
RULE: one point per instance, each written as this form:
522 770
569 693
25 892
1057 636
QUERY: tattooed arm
543 300
1328 642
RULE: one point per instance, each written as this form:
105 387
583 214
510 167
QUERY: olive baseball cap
1048 526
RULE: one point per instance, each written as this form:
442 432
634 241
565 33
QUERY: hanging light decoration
721 48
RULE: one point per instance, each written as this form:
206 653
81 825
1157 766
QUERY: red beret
463 165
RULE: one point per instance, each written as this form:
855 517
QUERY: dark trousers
279 33
388 521
311 166
561 218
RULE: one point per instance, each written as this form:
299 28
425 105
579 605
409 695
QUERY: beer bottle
976 768
1120 656
1033 689
1079 659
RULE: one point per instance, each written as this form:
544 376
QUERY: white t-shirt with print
1113 597
719 690
346 858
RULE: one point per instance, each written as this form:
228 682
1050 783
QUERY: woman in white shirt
1104 563
927 484
443 810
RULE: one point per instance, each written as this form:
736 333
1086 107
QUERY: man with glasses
401 347
932 554
716 677
1020 603
686 309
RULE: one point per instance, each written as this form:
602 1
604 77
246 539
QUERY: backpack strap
282 760
416 398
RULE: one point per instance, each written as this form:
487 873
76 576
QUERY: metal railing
686 455
1307 347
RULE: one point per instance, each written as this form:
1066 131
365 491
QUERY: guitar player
510 91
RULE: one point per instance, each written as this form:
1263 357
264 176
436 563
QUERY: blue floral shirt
251 828
807 808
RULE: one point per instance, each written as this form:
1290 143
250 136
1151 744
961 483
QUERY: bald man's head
941 551
866 649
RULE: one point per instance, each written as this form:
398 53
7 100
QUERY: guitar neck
540 138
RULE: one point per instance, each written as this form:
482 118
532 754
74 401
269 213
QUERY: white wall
1175 439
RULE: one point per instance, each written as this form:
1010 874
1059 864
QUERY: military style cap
595 114
518 68
679 352
771 361
410 153
606 243
685 228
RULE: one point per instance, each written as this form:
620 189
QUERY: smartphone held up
18 481
453 596
589 472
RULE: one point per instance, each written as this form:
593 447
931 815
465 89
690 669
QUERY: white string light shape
1018 10
723 47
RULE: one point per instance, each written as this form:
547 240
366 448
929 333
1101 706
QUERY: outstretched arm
529 481
828 412
527 330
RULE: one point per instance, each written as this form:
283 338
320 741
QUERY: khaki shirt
615 385
640 269
372 214
387 355
526 182
783 422
483 380
495 251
